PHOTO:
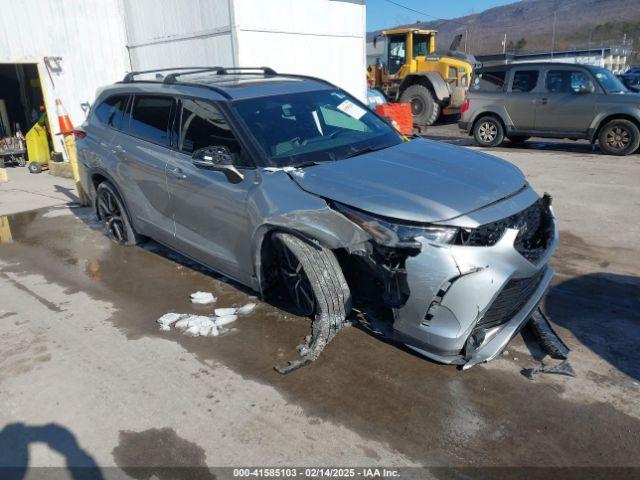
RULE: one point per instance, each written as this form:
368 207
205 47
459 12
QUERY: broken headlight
394 234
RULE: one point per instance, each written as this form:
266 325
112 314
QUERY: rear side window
489 81
524 80
150 118
110 111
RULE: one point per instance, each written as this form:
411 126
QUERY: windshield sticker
351 109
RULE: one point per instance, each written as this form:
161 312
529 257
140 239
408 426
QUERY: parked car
634 70
552 100
631 81
288 183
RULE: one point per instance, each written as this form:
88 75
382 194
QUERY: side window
110 111
524 80
488 81
203 125
566 81
150 118
420 45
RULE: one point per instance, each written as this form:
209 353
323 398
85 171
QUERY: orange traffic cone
64 121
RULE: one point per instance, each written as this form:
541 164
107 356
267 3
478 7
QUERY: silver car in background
552 100
288 184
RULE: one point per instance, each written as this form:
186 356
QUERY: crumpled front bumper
451 289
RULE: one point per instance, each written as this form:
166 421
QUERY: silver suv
553 100
289 184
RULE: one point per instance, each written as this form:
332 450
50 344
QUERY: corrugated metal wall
178 33
323 38
87 35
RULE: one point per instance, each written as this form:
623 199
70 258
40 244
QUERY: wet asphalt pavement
364 402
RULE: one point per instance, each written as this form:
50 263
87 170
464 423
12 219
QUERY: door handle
177 173
543 101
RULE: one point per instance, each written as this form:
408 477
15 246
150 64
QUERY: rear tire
110 210
424 107
619 137
488 132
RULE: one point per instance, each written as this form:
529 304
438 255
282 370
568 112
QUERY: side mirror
217 158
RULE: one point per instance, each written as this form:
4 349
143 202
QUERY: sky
384 14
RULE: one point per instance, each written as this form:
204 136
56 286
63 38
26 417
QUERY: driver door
209 211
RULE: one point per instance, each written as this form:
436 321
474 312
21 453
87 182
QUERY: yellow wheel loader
414 72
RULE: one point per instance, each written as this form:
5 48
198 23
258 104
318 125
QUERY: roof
521 65
408 29
231 83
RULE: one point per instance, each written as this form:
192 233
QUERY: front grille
510 300
535 231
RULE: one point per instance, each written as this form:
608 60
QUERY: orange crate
401 113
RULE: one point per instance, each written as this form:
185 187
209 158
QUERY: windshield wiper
364 150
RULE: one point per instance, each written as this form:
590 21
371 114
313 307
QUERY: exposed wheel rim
110 213
417 106
618 138
488 131
296 282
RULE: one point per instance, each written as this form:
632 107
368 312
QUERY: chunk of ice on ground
222 312
191 320
246 309
202 297
168 319
225 319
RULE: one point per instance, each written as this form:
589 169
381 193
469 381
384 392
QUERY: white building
67 49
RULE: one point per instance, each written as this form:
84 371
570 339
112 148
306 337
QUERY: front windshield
609 81
317 126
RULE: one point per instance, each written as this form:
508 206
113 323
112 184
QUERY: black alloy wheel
296 282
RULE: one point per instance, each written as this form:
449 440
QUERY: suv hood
420 181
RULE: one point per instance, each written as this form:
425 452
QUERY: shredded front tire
331 295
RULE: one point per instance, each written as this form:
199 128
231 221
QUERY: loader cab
405 46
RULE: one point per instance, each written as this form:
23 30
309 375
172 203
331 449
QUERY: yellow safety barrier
72 152
5 230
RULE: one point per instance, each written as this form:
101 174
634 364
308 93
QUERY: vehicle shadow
534 144
602 310
15 439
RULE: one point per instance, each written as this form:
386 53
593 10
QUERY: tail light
79 134
465 105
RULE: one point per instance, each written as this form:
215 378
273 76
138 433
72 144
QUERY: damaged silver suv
288 184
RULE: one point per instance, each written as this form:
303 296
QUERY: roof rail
172 77
247 70
130 77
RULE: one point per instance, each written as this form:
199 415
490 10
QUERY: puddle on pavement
147 454
424 410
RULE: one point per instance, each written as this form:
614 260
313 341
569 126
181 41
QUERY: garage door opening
20 97
22 102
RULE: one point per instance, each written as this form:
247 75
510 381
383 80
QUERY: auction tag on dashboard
351 109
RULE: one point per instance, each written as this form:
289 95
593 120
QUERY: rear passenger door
211 214
561 105
143 148
521 99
